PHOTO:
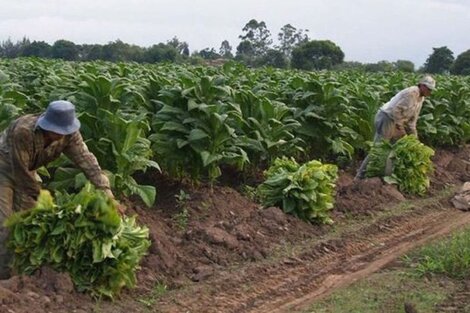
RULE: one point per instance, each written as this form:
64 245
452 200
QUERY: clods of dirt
365 195
45 291
198 232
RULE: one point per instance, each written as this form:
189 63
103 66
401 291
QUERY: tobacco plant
83 235
306 191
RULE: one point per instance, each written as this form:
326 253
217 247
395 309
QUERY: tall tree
462 64
181 47
117 51
274 58
381 66
440 61
245 52
209 54
39 49
64 49
161 53
226 50
404 66
316 54
258 35
91 52
8 49
289 38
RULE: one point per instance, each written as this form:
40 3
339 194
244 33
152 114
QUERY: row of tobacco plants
192 122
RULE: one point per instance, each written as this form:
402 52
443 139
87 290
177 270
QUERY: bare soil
221 252
458 302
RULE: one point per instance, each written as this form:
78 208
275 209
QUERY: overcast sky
366 30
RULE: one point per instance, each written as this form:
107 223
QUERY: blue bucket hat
59 118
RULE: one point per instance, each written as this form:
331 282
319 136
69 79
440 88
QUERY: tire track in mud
292 283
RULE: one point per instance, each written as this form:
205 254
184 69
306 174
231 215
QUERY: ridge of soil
221 252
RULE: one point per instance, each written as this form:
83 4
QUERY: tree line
294 49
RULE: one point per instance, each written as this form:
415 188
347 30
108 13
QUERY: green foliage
83 235
410 160
225 50
111 131
324 113
182 198
306 191
132 153
445 117
193 129
386 291
158 291
250 193
181 219
37 49
440 61
379 157
267 127
64 49
245 52
289 37
450 257
316 55
8 112
404 66
208 54
203 118
381 66
273 58
258 36
364 100
11 100
461 65
161 53
124 140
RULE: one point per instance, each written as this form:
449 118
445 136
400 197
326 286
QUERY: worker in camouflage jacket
30 142
398 117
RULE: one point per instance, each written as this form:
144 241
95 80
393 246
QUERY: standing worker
30 142
398 117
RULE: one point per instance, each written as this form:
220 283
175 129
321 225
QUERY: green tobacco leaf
145 192
411 164
80 242
305 191
197 134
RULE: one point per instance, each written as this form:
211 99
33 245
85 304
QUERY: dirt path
290 284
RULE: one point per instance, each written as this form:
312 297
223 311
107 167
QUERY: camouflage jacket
22 146
404 109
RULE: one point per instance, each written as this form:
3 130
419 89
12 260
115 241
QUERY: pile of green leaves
411 164
378 157
306 191
83 235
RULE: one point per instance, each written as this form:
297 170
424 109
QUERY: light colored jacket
404 109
